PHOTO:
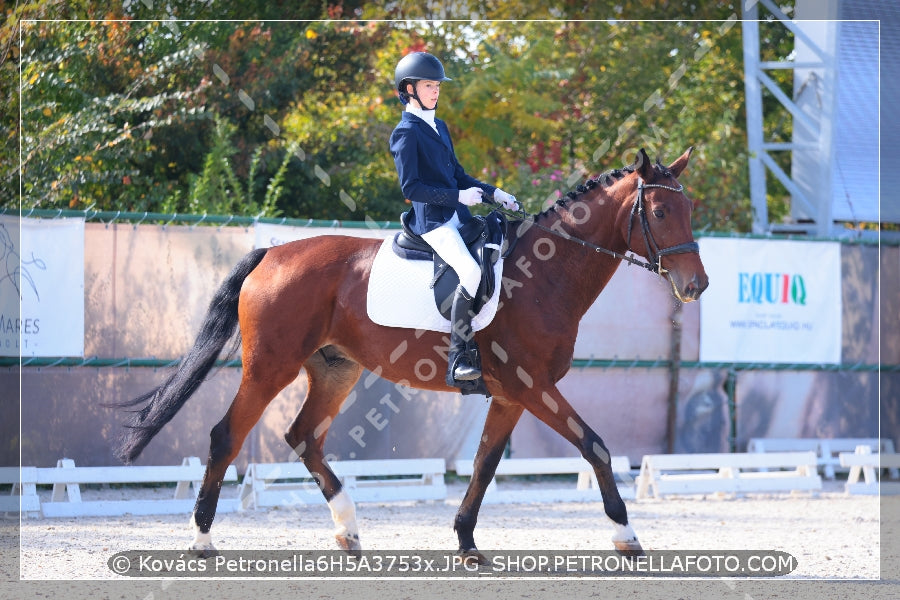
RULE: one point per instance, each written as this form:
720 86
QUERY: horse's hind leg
331 377
226 438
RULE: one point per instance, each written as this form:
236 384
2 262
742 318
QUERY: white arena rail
863 461
724 473
585 490
66 479
827 449
20 496
287 484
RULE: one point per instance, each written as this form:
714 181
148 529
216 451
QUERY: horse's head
658 226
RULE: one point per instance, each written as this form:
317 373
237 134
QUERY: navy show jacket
430 175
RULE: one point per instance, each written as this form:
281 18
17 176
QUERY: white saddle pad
399 295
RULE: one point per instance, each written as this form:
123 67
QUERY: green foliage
132 111
219 190
96 102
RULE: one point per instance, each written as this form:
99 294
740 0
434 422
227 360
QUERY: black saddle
483 236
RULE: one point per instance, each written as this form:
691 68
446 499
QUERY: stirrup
463 371
462 368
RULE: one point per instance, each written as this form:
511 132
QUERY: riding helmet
417 66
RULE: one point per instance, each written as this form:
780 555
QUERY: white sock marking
343 513
201 540
624 533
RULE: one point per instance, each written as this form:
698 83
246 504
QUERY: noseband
654 252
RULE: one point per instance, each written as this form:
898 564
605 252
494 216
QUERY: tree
94 97
293 117
538 107
9 78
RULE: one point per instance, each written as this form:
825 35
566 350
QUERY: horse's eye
659 213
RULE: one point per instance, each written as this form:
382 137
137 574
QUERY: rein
653 248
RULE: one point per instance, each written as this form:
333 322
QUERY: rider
440 192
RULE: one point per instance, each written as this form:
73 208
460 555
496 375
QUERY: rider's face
428 92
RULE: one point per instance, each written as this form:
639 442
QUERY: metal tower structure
833 111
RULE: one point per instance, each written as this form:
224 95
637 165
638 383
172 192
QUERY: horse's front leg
551 407
501 419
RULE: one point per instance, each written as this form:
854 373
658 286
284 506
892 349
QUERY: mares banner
41 287
771 301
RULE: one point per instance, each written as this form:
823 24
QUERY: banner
41 287
771 301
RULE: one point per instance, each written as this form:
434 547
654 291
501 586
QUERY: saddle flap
486 250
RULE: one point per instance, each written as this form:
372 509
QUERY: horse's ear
643 166
681 162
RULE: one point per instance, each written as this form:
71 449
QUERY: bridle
654 252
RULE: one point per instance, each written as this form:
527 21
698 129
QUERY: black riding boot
461 365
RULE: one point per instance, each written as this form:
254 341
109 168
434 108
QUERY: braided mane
603 179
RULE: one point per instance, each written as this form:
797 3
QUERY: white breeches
446 241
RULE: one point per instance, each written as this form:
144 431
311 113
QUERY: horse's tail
163 402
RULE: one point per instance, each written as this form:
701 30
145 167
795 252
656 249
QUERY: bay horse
303 305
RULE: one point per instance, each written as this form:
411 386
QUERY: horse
302 305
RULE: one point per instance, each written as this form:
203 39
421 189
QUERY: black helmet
414 67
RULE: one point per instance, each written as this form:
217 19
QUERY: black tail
166 400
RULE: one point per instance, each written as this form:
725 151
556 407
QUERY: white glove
471 196
507 200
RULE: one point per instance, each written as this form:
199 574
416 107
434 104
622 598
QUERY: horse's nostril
693 289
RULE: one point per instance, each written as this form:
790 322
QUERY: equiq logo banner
41 287
773 301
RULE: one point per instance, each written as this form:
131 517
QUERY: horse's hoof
472 557
630 547
203 550
349 543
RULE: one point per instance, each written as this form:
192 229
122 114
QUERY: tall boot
460 365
